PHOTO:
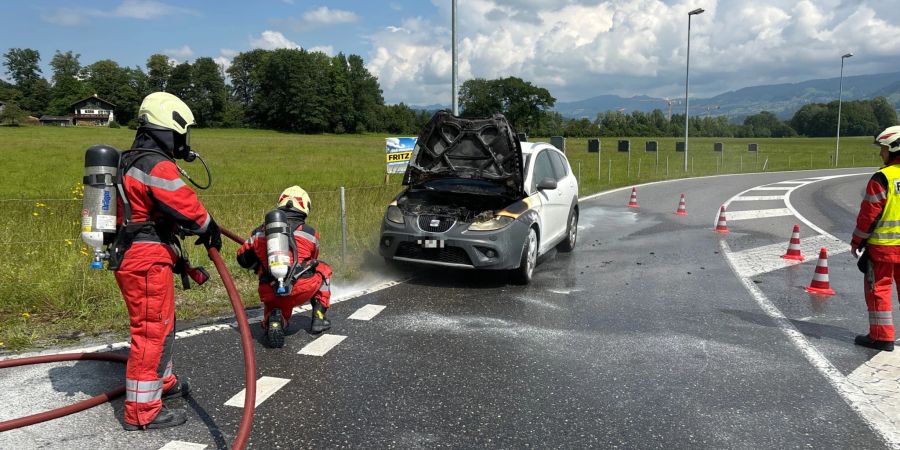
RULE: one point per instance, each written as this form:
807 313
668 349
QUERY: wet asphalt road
641 338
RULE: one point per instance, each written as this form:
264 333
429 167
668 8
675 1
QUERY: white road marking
322 345
880 376
788 183
759 260
207 328
757 214
367 312
265 387
770 188
181 445
752 198
878 410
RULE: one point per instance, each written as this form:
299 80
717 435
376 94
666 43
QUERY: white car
478 198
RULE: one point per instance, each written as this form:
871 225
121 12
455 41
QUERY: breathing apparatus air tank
278 250
98 213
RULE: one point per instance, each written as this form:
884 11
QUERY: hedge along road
643 337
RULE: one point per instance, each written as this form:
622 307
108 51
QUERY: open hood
453 148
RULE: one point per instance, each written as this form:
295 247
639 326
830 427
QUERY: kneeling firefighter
154 206
283 251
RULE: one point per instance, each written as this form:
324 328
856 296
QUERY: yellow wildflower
39 205
26 315
68 242
34 214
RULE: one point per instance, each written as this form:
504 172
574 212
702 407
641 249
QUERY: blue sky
575 48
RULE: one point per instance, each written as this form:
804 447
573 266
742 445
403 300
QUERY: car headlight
494 223
394 214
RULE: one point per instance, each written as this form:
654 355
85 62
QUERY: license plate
432 243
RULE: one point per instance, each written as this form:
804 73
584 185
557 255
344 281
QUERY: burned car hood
486 151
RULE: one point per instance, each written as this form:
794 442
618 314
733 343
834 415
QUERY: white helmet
296 198
168 111
889 137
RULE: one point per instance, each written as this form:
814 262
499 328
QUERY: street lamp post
837 145
455 100
687 75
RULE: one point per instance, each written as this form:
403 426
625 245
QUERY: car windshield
463 185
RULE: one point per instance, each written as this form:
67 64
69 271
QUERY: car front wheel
523 274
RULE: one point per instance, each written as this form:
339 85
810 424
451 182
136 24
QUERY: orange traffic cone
632 203
682 210
820 284
721 226
793 251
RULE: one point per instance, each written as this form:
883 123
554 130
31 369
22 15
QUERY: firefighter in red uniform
878 231
158 204
314 281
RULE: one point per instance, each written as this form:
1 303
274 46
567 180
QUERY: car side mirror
546 183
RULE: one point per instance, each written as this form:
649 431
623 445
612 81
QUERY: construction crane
668 101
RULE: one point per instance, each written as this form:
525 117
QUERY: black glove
212 238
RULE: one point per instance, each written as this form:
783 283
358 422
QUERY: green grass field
49 295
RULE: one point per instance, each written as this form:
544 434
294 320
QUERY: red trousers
147 286
316 287
878 284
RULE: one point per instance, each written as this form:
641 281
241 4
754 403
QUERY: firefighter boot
275 330
165 419
865 341
319 322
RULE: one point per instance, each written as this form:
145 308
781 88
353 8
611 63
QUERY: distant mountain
430 108
781 99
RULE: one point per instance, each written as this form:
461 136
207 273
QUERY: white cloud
270 40
322 16
144 9
179 54
326 49
64 17
128 9
581 48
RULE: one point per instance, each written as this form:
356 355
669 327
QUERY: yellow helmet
167 111
295 197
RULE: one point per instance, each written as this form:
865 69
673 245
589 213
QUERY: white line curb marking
208 328
753 198
181 445
878 411
367 312
265 387
322 345
770 188
756 213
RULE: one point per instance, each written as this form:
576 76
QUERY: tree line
858 118
310 92
285 89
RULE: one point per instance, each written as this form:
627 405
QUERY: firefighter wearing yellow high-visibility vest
878 231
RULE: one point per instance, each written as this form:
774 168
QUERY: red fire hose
243 434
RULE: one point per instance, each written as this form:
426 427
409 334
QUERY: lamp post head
847 55
696 11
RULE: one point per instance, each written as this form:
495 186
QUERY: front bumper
492 250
